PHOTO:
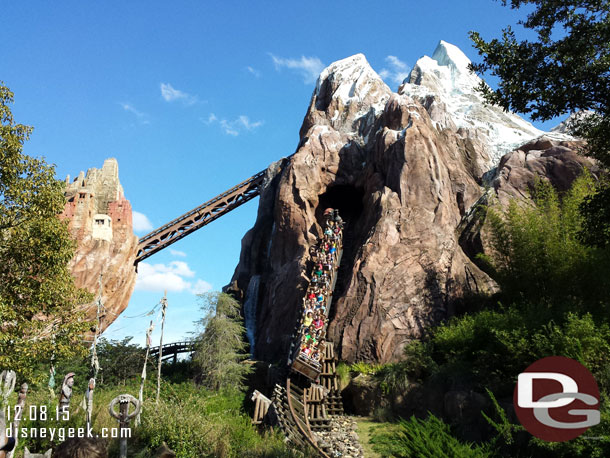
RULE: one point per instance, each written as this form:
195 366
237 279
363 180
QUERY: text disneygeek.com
68 433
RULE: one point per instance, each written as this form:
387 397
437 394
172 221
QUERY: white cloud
228 128
210 119
254 71
142 117
308 67
141 223
171 94
234 127
159 278
201 286
178 253
397 71
169 277
245 121
180 268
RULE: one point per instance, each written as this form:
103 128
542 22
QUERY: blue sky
193 97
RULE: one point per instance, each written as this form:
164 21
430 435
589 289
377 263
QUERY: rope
141 394
149 313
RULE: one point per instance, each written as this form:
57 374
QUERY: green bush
197 422
343 372
429 438
538 255
394 377
513 440
365 368
490 348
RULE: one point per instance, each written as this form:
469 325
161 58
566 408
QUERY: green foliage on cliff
38 299
558 293
490 348
539 256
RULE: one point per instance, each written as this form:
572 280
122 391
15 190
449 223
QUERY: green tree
565 70
38 298
221 347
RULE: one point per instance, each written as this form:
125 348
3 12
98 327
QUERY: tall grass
429 438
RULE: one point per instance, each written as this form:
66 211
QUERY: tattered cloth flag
51 383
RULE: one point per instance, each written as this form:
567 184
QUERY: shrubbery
429 438
197 422
539 256
492 347
193 421
558 293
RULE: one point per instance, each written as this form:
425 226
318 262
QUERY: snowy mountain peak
351 79
348 97
448 89
451 56
446 72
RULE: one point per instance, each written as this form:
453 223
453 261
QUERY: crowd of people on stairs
314 319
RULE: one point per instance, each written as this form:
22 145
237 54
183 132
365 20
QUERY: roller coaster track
291 407
200 216
304 406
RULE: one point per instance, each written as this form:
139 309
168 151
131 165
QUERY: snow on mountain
447 88
351 95
354 81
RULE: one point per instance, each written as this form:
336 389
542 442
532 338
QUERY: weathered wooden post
148 343
66 392
51 384
7 385
18 414
89 396
87 403
163 309
124 417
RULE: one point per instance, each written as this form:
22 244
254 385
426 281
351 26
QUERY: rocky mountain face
555 159
403 169
100 220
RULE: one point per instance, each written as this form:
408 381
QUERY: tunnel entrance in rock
345 198
349 201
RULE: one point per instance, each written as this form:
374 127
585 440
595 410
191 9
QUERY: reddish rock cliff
101 222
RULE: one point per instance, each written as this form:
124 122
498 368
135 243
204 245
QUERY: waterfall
250 310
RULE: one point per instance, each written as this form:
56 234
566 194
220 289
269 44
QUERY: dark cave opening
345 198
